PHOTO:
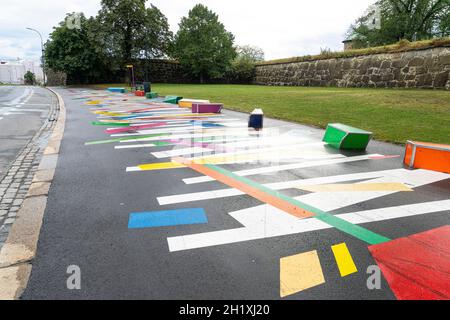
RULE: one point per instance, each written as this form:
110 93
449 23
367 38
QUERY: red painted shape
417 267
134 128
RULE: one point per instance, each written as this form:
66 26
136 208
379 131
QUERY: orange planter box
429 156
140 93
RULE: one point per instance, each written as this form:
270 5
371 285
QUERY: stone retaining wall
428 68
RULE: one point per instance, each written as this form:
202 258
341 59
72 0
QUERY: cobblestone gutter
23 192
15 184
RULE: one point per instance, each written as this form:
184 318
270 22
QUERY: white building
13 72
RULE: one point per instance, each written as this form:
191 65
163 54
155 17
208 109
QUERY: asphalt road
92 196
23 111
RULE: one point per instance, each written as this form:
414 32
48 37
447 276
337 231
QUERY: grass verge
393 115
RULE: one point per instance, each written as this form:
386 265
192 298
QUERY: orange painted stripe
251 191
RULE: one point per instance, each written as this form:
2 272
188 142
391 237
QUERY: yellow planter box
187 103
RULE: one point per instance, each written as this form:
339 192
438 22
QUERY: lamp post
42 49
130 66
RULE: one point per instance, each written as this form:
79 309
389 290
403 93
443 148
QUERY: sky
282 28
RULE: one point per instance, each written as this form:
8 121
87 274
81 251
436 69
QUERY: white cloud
282 28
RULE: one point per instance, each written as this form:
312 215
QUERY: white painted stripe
13 113
189 136
291 151
308 164
181 128
219 139
137 122
177 129
273 224
412 178
159 127
31 110
236 124
147 145
179 152
133 169
187 151
282 140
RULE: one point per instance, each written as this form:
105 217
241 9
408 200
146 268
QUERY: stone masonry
426 69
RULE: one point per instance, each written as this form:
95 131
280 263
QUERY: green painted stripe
111 124
340 224
162 143
123 139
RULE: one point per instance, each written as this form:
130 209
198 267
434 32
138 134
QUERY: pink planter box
207 107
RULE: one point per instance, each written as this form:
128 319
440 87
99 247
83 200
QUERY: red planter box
140 93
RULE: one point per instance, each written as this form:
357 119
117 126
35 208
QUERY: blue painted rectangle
167 218
112 89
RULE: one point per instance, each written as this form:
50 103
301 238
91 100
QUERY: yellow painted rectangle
357 187
300 272
93 102
184 104
187 103
344 259
160 166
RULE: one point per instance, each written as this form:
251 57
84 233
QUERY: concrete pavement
244 249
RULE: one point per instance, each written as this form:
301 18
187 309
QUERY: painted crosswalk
206 146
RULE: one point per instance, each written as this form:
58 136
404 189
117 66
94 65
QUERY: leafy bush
243 66
29 78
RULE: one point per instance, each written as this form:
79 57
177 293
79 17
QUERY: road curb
19 250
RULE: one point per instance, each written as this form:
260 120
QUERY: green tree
29 78
71 49
156 37
243 66
444 26
202 45
402 19
129 31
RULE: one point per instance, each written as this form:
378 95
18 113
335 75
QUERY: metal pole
42 50
132 75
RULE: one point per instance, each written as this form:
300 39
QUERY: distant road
23 110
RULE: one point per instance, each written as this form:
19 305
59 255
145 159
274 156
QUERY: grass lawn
394 115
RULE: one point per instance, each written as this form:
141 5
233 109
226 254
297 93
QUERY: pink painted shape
206 107
384 157
134 128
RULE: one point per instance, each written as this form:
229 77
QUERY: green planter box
151 95
341 136
172 99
